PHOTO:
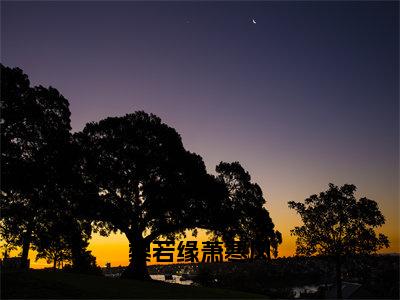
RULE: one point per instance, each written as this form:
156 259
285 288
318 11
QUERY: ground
48 284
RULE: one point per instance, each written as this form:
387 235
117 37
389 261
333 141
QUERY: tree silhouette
275 241
242 214
65 239
52 244
35 129
148 185
78 240
77 207
265 238
41 185
337 224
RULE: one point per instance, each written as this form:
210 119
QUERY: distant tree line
130 174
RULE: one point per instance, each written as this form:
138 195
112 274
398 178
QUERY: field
48 284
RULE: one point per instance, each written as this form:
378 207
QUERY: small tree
241 213
275 241
336 225
56 252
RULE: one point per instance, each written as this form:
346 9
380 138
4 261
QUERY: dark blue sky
307 95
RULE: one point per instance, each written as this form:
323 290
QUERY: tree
265 237
35 130
52 243
15 102
65 239
275 241
336 224
148 185
242 214
8 239
78 240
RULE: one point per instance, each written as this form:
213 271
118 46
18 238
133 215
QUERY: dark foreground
48 284
376 275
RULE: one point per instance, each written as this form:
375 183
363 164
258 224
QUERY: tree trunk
54 264
137 268
268 250
252 250
76 258
26 242
338 278
77 251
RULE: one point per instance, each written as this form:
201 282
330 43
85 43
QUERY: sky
306 95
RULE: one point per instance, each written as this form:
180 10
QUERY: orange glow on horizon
114 249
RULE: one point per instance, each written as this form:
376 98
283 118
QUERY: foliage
8 239
275 241
335 223
241 213
129 173
56 252
39 178
148 184
35 128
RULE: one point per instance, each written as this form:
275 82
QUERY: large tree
336 224
148 185
35 126
41 184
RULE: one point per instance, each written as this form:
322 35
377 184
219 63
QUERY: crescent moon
254 21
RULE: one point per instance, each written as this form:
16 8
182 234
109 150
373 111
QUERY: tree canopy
337 224
148 184
242 211
39 178
35 130
129 173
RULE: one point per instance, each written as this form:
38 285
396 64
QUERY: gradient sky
306 96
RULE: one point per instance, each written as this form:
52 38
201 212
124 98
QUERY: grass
48 284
